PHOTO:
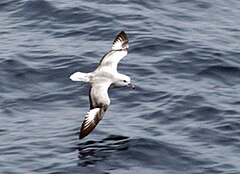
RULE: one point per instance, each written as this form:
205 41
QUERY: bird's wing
99 102
118 51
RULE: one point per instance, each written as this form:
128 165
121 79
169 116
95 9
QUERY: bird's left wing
118 51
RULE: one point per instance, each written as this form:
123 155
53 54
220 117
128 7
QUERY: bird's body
105 76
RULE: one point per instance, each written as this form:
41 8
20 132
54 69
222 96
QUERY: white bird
105 76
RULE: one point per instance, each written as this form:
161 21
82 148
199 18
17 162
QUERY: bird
104 77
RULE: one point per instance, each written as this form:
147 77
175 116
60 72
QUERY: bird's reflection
90 152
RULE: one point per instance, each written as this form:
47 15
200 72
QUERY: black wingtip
84 133
81 136
122 35
120 42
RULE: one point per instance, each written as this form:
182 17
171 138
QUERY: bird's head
123 80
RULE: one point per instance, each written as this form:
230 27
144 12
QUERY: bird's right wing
91 120
99 102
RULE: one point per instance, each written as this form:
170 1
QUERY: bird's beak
131 86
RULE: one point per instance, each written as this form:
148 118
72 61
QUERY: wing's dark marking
122 37
84 131
87 129
109 52
90 98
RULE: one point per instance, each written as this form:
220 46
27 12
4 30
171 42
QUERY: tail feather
79 76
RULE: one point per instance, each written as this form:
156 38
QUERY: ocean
182 118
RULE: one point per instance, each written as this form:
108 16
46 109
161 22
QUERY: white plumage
105 76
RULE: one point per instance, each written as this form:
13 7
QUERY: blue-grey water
183 117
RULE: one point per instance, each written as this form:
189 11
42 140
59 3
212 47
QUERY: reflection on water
91 152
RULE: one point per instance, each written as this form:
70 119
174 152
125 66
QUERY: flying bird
104 77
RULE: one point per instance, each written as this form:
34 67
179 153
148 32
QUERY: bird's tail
79 76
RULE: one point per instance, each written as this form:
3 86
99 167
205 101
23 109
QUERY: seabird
104 77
